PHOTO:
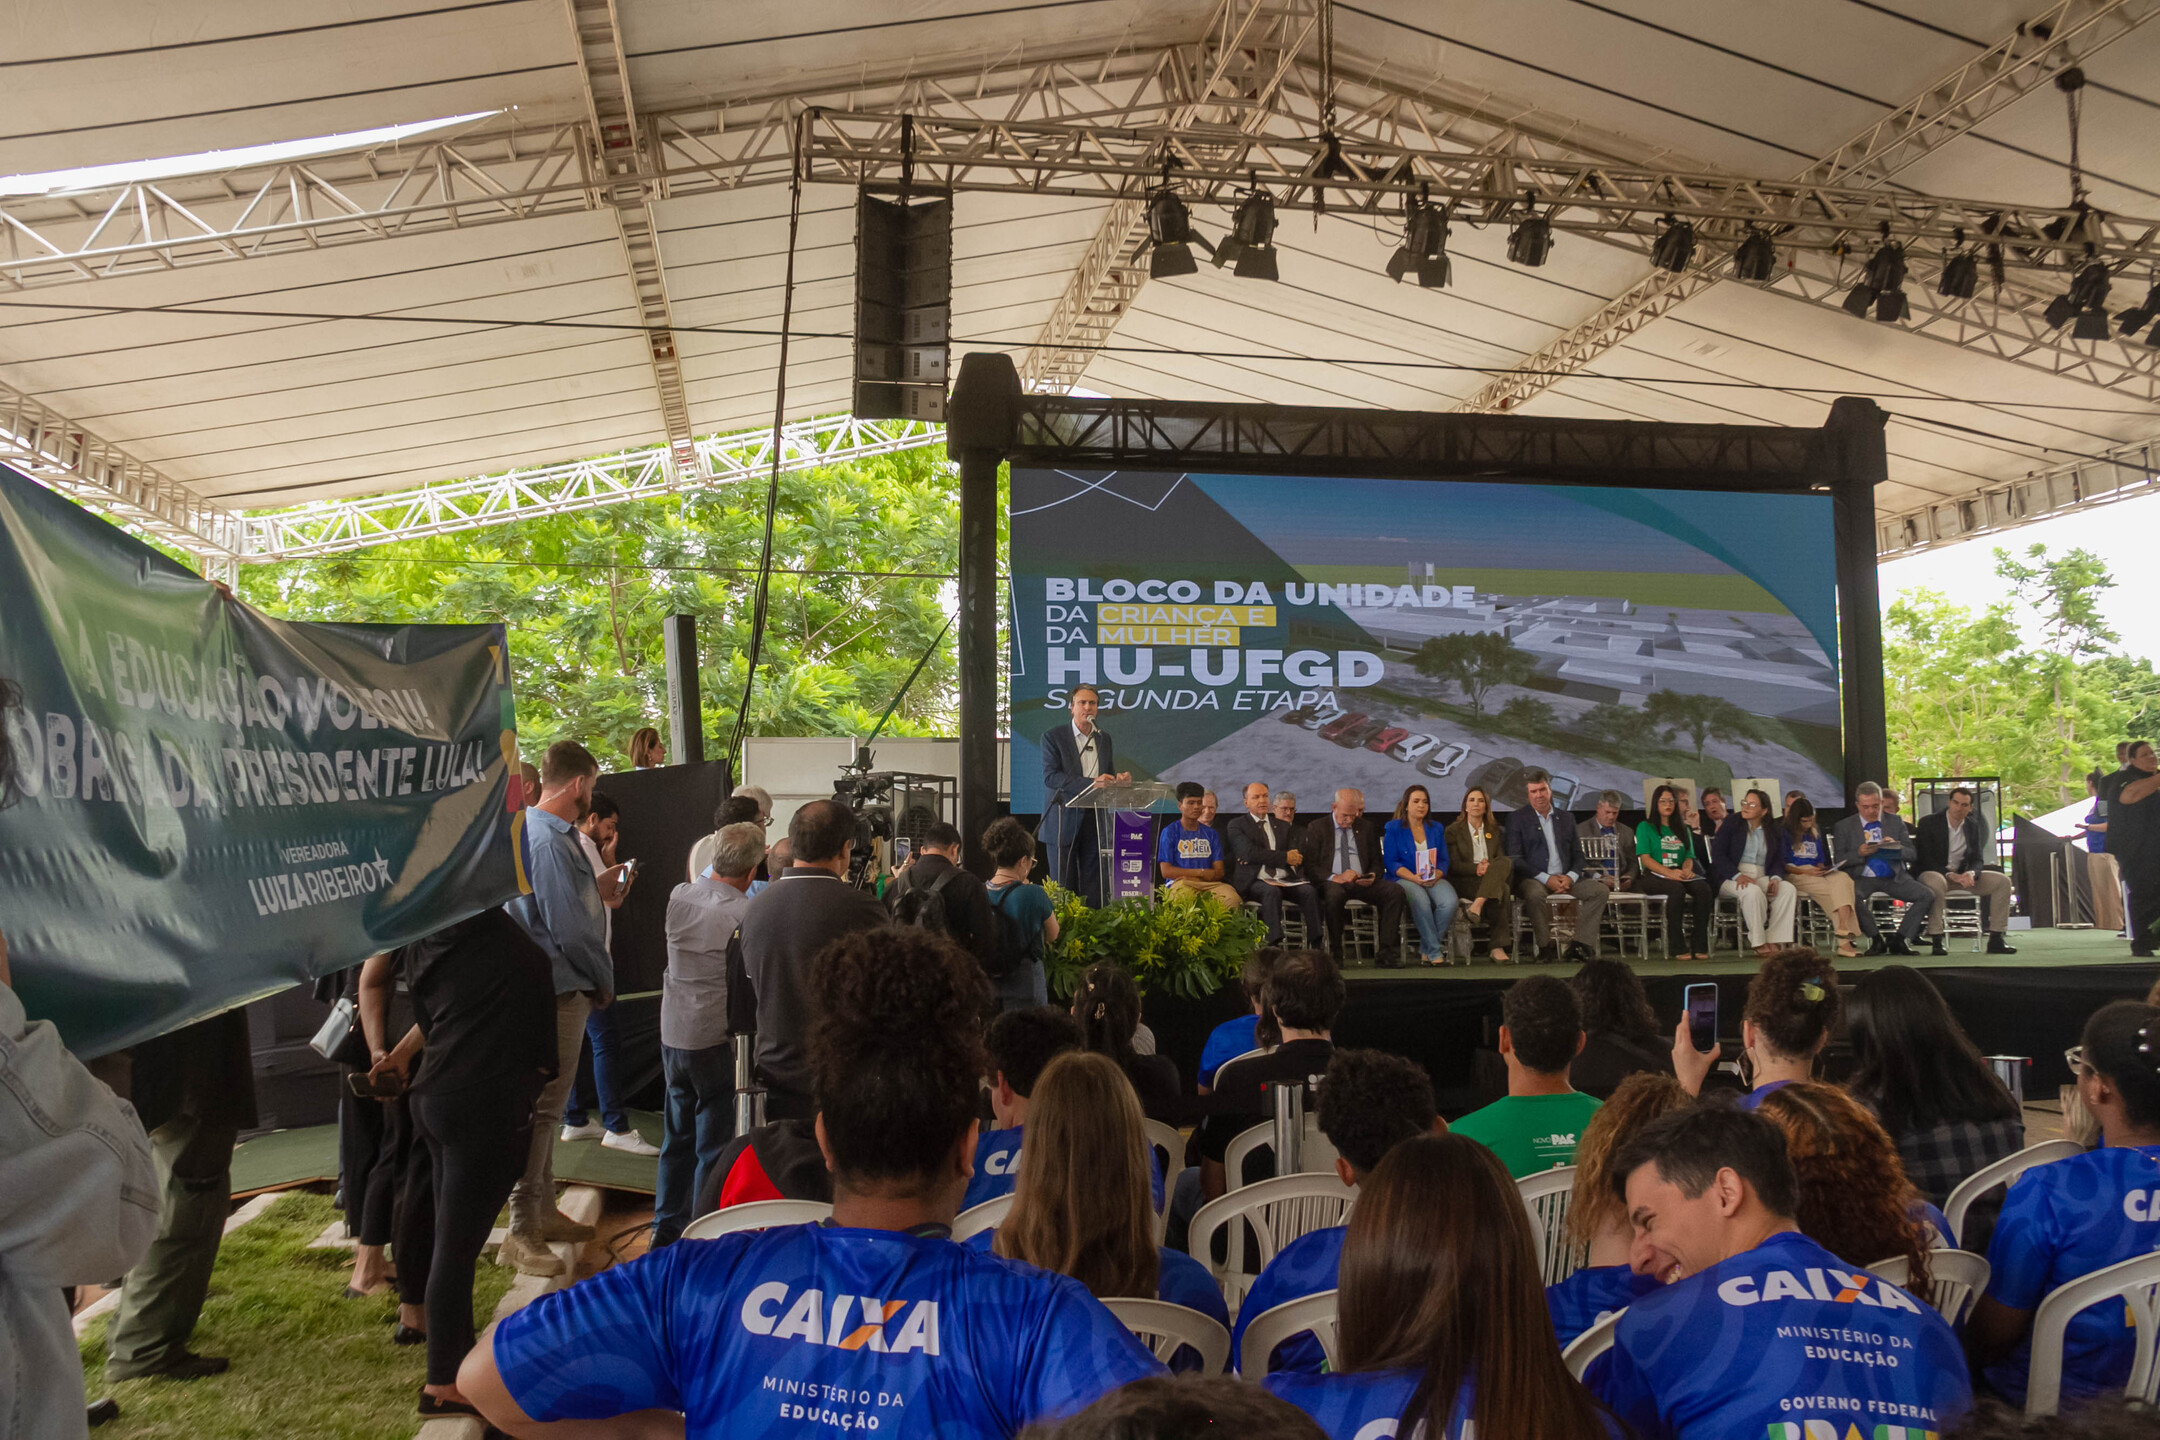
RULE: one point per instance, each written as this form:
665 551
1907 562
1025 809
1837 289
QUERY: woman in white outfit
1747 860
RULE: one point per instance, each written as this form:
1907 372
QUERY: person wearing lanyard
1413 850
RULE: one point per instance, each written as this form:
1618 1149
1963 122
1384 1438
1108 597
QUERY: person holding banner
1076 758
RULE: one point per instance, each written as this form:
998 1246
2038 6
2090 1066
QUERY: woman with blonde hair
1597 1217
1478 864
1082 1205
1854 1199
646 751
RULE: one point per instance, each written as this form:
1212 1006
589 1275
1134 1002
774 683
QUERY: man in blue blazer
1076 758
1548 862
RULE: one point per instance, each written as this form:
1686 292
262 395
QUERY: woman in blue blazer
1413 852
1747 864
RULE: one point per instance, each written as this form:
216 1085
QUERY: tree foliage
584 595
1476 662
1700 718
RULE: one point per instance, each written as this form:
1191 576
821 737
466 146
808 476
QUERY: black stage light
1424 247
1170 236
2086 303
1756 259
2058 312
2133 320
1251 245
1882 290
1530 241
1960 278
1675 246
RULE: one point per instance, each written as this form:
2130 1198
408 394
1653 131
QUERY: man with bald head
1342 860
1267 866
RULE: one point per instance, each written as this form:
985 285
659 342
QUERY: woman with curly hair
1854 1199
876 1302
1792 1006
1597 1217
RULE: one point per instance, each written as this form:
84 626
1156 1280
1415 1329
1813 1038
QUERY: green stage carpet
285 1158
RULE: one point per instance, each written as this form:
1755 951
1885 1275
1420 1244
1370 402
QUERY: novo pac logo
1828 1430
809 1320
1862 1289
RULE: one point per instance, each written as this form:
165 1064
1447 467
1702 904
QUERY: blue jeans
600 1036
1432 910
700 1121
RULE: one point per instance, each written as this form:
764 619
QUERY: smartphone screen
1702 1003
902 847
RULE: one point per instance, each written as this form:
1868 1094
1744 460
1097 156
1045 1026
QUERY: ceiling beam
2067 33
2125 472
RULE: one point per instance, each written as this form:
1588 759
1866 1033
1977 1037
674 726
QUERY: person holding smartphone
597 835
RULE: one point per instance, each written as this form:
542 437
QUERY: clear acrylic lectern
1108 801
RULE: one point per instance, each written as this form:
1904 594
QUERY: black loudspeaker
903 307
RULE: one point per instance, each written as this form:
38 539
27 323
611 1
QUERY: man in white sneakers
597 834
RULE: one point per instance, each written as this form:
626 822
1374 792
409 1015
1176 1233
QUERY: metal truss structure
2123 473
330 526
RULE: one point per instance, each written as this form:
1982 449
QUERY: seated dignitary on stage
1414 853
1342 859
1759 1330
1269 867
1873 846
1747 863
1809 871
1541 841
1618 869
876 1316
1666 865
1076 758
1479 867
1190 857
1954 855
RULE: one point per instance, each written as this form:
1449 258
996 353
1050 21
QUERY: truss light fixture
1530 242
1960 279
1756 258
1170 236
1424 247
1881 290
2085 304
2130 321
1675 245
1250 247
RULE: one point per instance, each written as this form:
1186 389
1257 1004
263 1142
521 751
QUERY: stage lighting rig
1960 278
1170 236
2130 321
1675 245
1424 246
1883 288
2085 304
1530 242
1756 258
1250 246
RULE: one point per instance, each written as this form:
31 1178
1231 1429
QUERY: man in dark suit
1618 873
1548 861
1342 860
1953 855
1075 758
1875 846
1267 866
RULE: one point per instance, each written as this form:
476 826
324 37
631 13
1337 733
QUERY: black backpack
924 905
1014 947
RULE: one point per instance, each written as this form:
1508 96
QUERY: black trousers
1688 904
1306 897
473 1144
375 1139
2142 878
1385 895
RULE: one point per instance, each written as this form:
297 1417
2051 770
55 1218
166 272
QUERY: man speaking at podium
1076 758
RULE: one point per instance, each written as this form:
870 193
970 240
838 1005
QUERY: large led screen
1318 633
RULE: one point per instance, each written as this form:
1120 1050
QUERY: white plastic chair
1546 1195
1592 1343
1956 1278
1162 1137
1165 1329
986 1216
2133 1280
756 1215
2002 1172
1308 1314
1279 1211
1316 1155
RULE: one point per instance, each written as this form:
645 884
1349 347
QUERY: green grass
306 1361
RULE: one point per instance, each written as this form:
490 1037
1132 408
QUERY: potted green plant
1181 948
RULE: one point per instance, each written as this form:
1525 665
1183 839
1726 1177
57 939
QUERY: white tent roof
265 409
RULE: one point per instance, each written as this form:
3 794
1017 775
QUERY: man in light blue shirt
566 919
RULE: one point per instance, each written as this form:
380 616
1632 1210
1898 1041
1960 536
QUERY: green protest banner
215 805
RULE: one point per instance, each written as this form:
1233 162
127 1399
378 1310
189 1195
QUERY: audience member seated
1185 1407
1874 847
1851 1196
2073 1217
724 1330
1747 863
1537 1125
1541 841
1809 871
1478 866
1597 1216
1268 867
776 1161
1085 1202
1023 908
1953 854
1758 1329
1370 1102
1665 860
1343 860
1947 1110
1792 1006
1618 868
1620 1030
1021 1043
1305 994
1191 856
1415 856
1245 1033
1441 1318
1107 1005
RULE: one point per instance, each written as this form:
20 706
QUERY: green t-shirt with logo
1670 848
1530 1133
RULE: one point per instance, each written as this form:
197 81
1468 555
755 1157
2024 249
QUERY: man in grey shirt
566 919
695 1056
807 907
